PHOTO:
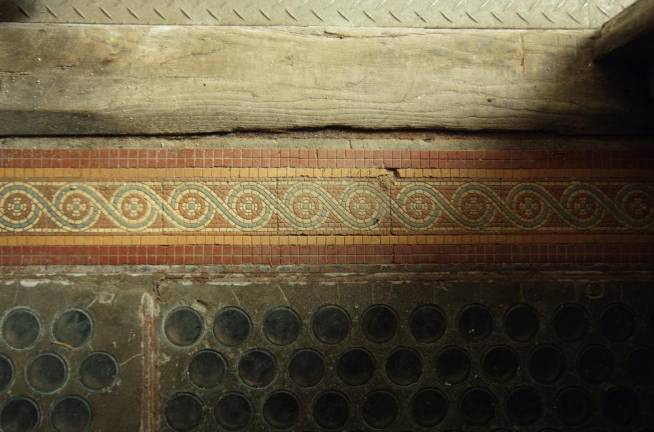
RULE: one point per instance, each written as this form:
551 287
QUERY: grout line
142 174
322 240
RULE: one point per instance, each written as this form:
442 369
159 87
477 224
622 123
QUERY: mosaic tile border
321 207
322 158
331 206
622 251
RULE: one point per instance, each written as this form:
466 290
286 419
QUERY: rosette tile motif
328 206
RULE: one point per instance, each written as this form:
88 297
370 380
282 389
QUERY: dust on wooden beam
134 80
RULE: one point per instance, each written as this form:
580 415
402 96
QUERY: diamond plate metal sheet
568 14
353 353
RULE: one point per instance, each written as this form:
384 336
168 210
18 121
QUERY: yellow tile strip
327 240
184 173
525 173
145 174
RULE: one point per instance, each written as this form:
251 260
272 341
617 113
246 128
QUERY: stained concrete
131 320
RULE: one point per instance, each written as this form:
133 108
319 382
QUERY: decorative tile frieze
323 206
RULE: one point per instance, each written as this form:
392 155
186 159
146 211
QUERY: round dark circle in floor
71 414
404 366
521 322
331 324
20 414
452 365
306 368
524 406
428 407
618 322
20 328
620 406
331 410
231 326
257 368
574 406
546 364
73 328
281 326
47 372
183 326
98 371
380 410
281 410
355 366
379 323
478 406
233 411
207 369
596 364
500 364
428 323
184 412
7 372
571 322
640 365
475 322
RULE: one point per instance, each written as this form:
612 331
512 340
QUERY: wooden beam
95 79
629 34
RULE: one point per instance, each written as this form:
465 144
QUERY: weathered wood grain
76 79
633 23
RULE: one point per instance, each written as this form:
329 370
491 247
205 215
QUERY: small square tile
338 206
